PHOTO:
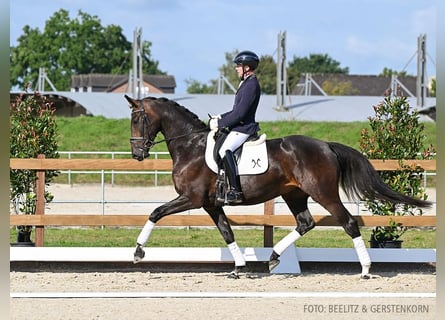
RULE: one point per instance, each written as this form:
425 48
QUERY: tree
432 87
339 88
149 65
72 46
315 63
194 86
228 71
387 72
266 73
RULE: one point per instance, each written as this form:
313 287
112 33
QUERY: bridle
148 142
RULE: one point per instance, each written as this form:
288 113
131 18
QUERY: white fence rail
112 155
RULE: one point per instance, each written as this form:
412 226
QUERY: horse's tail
358 178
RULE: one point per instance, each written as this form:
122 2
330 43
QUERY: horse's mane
183 110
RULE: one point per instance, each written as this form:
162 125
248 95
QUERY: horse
299 167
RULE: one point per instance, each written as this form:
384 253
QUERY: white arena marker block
289 263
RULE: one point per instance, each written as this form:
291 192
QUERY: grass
75 134
210 237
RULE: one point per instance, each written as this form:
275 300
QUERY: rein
148 142
176 137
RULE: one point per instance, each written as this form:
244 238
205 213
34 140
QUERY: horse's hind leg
349 224
297 203
220 219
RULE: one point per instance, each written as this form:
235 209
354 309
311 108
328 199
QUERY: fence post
269 209
40 203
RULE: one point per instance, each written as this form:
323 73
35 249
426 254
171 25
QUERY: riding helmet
247 58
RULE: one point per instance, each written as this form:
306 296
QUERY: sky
190 37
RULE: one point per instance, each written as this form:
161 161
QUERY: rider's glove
213 123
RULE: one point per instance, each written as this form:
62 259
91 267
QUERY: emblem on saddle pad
253 159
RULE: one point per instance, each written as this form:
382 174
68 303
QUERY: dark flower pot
23 239
390 244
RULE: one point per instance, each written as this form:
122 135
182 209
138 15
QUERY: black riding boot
234 194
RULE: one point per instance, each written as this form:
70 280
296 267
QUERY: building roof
301 108
108 82
361 85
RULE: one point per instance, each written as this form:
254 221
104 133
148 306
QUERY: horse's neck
187 146
179 131
177 122
171 130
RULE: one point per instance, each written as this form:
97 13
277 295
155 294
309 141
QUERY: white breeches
232 142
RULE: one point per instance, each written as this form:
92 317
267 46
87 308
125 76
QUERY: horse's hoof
139 254
235 273
365 276
273 264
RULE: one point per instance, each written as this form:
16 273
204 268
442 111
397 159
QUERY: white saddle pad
253 156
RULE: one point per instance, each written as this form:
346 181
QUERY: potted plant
33 131
387 236
395 133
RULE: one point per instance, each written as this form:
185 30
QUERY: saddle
251 157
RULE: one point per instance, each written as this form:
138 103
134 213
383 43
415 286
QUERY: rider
240 121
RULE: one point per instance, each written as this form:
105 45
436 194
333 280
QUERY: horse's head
142 130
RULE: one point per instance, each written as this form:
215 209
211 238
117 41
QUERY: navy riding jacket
242 116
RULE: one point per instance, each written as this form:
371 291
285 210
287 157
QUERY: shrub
396 133
33 131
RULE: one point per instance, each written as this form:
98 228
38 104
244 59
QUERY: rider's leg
232 142
234 194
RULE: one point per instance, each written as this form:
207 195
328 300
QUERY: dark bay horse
299 167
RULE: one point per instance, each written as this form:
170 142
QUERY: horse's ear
131 101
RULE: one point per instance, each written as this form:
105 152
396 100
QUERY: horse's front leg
220 219
179 204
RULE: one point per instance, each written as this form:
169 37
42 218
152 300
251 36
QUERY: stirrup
220 191
234 197
219 201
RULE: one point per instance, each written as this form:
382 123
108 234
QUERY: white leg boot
363 256
139 254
